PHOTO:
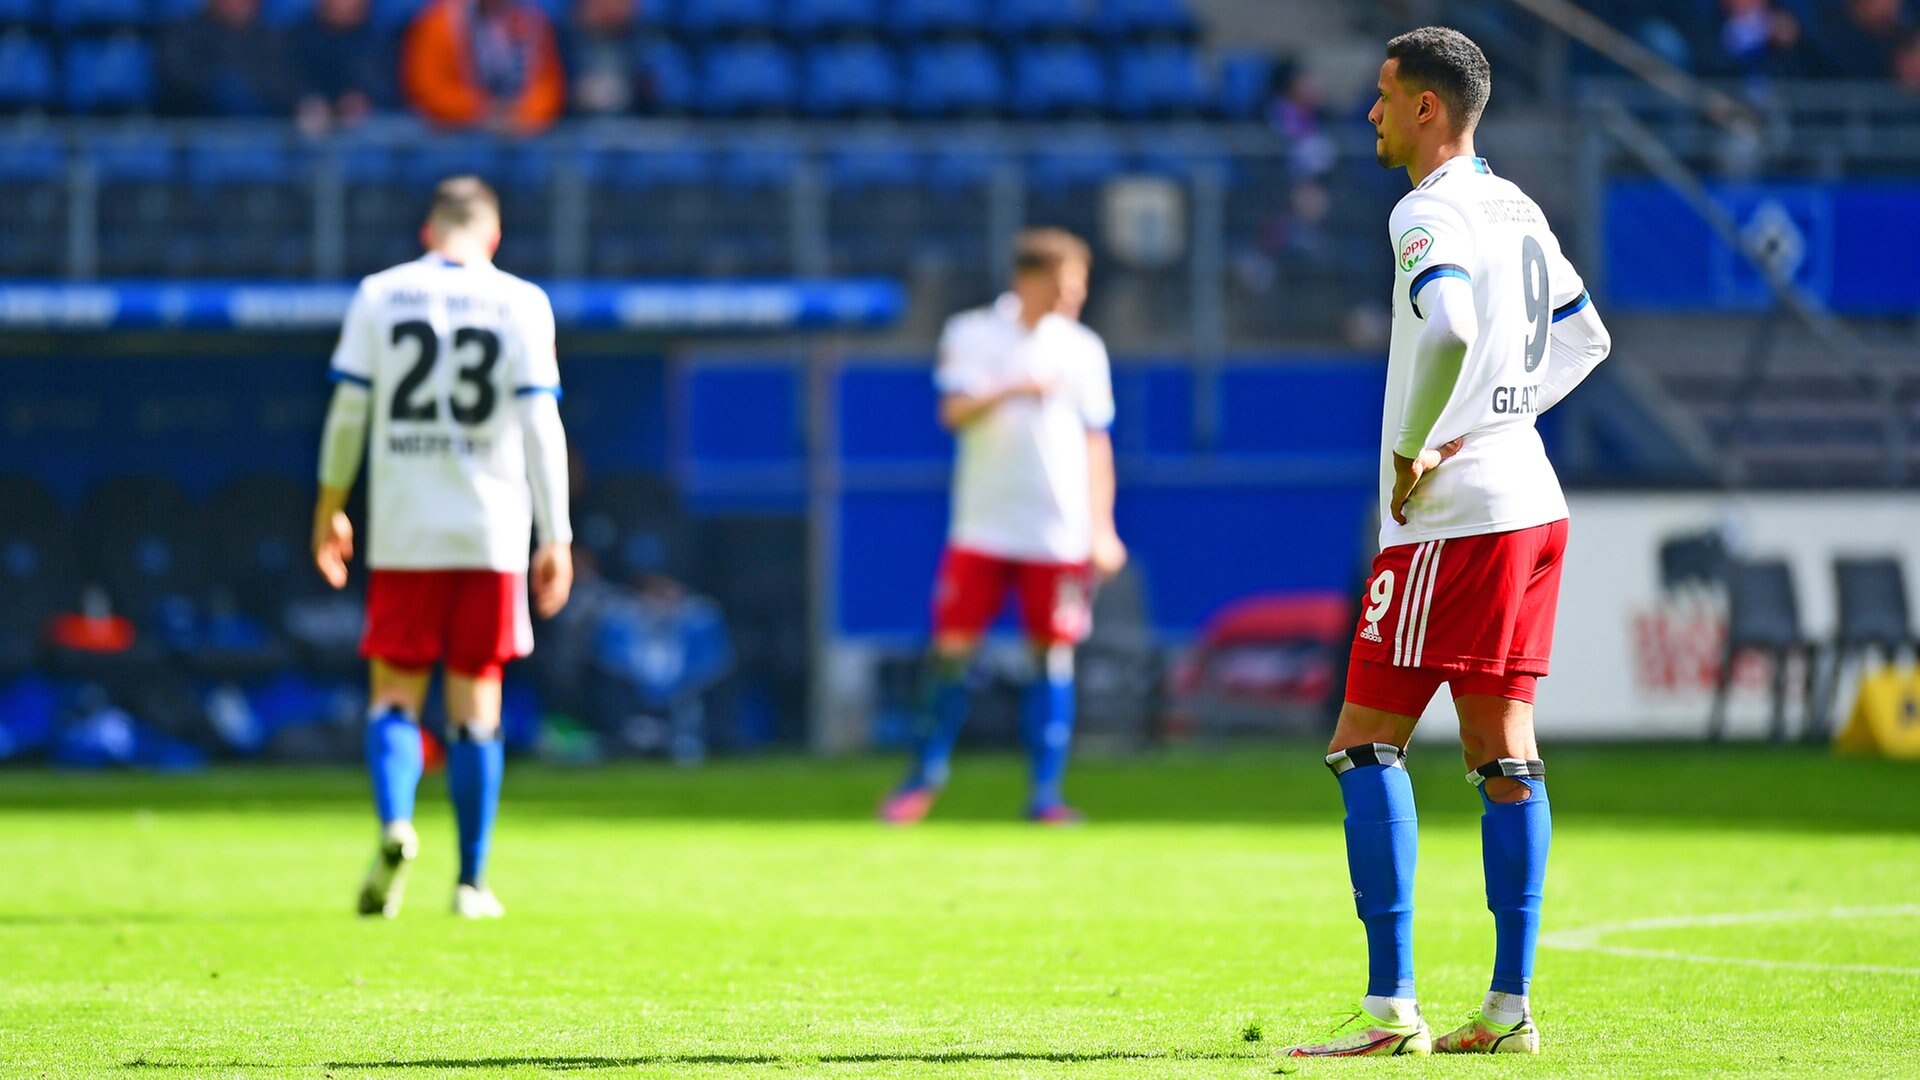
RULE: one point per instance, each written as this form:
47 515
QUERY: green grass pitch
748 920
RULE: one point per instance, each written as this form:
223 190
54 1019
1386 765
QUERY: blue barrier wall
1854 243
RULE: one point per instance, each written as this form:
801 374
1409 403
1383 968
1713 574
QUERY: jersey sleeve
353 356
539 370
1565 285
1430 241
960 370
1096 389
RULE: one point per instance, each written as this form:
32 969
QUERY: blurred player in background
1491 327
449 363
1026 389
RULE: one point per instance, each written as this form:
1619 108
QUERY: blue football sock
1514 837
1046 727
473 779
1382 836
948 699
393 763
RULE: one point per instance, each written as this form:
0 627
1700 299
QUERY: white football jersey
444 350
1465 222
1021 490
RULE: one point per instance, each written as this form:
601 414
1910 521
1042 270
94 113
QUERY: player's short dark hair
458 200
1447 62
1047 250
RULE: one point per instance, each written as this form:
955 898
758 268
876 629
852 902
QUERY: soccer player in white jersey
446 368
1491 327
1026 389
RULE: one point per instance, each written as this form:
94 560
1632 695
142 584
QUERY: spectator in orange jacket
486 64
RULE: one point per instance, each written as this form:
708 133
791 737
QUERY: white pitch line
1592 938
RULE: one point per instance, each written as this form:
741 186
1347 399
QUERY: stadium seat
1183 156
393 14
166 11
132 158
219 162
1873 618
1076 161
26 73
72 16
1763 616
877 219
745 79
115 75
822 18
966 163
249 211
850 78
1245 85
32 160
285 13
36 571
1140 18
664 166
1058 80
957 78
667 75
1034 18
17 13
723 18
653 209
923 18
1159 81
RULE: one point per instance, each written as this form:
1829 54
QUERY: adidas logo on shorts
1371 633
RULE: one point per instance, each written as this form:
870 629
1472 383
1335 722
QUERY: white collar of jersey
434 258
1474 164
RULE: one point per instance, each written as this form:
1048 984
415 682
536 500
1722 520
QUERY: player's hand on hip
333 546
1109 554
552 578
1408 471
1406 476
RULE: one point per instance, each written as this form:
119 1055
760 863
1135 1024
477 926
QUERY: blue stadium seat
667 74
918 18
1139 18
855 77
965 163
32 160
758 164
20 12
712 18
1057 80
1246 82
747 78
1075 162
220 162
1027 18
285 13
653 167
113 75
26 73
392 14
132 158
1184 156
959 77
166 11
858 165
75 15
822 18
1159 80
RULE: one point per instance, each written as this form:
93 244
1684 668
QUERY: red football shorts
474 621
1475 612
1055 598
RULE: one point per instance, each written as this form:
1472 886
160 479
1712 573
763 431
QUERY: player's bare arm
343 444
1109 553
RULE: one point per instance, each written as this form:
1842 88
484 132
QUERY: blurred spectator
600 50
486 64
1298 114
1858 38
1906 63
224 62
1753 39
345 66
